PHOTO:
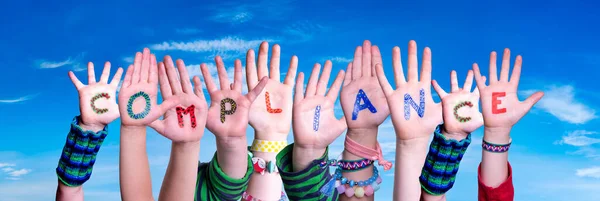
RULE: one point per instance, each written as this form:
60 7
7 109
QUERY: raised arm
271 117
184 126
414 119
450 141
501 110
98 107
138 108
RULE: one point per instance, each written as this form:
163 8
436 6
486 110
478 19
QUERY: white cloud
579 138
18 173
261 10
20 99
233 16
340 59
188 31
128 60
223 45
593 172
52 64
74 62
8 169
6 165
560 101
194 70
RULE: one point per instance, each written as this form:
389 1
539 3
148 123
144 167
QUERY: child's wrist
497 135
270 135
91 126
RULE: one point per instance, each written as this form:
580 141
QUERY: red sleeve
504 192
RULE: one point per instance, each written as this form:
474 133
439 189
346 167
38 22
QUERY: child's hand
97 100
460 107
186 122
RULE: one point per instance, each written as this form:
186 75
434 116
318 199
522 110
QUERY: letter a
358 107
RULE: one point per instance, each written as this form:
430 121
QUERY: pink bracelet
366 152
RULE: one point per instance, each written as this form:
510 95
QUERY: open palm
414 113
137 98
314 122
271 115
187 121
97 100
360 78
228 112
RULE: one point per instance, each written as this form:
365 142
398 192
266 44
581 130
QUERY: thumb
532 100
158 126
169 103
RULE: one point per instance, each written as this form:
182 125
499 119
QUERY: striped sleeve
214 185
306 184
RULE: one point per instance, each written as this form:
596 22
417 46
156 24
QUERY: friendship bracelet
366 152
247 197
349 165
496 148
441 166
79 154
267 146
260 166
357 188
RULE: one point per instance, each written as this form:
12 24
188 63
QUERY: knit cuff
441 166
79 154
305 184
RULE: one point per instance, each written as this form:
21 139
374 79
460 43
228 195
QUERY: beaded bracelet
366 187
349 165
247 197
267 146
496 148
261 166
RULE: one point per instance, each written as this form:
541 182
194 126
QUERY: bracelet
357 188
496 148
260 166
349 165
366 152
79 154
441 166
247 197
267 146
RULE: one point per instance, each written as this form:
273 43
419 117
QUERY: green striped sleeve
305 184
214 184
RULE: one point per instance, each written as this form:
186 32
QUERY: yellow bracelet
268 146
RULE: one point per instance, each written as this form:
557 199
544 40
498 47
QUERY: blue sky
556 147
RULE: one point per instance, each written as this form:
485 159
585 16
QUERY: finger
210 85
385 85
532 100
76 82
257 90
454 81
128 75
146 57
262 59
516 73
251 78
324 79
413 67
438 89
376 59
311 87
478 81
291 73
137 67
222 72
168 104
493 73
505 65
237 76
357 63
334 90
172 75
117 77
477 88
158 125
91 73
366 58
153 72
163 79
468 81
105 73
348 77
397 63
299 94
275 59
198 87
426 66
186 85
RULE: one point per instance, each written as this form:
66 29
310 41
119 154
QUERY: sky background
556 147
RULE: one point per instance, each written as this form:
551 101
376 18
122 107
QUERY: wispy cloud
188 31
17 100
74 62
13 174
239 13
7 165
560 101
223 45
236 16
339 59
128 60
579 138
304 31
593 172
